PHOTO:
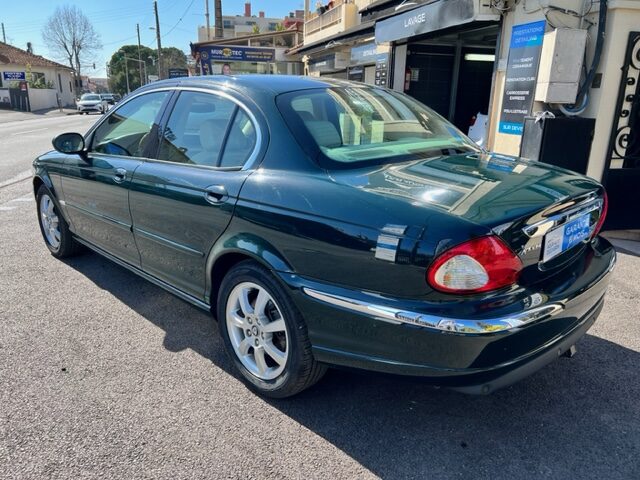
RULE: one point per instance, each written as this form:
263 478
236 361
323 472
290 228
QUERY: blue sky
115 21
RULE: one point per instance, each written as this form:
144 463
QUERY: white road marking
18 178
30 131
4 209
23 199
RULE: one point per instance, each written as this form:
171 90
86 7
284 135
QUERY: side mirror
69 143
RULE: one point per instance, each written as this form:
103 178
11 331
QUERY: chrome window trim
249 164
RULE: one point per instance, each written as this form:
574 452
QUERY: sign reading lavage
428 18
520 80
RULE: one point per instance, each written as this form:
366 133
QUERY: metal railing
318 22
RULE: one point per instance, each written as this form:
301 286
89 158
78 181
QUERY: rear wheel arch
235 250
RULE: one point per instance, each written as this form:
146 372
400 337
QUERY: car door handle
120 175
216 194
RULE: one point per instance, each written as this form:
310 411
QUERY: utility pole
4 37
206 16
217 6
142 81
155 10
126 74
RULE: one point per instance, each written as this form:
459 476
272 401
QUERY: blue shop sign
14 76
521 75
364 54
239 54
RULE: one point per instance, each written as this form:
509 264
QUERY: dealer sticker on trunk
568 235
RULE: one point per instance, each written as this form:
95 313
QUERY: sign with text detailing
382 70
364 54
14 76
206 54
521 75
428 18
237 54
178 72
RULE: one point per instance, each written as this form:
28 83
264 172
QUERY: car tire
54 228
274 324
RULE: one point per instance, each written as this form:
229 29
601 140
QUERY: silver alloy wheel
257 330
49 220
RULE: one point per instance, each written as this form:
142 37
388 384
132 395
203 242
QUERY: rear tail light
479 265
603 215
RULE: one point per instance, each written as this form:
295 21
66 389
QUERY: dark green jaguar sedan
333 223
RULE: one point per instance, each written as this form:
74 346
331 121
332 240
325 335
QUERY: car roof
276 84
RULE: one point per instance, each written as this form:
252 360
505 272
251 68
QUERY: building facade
573 66
243 25
30 82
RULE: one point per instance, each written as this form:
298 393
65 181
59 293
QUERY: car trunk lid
522 201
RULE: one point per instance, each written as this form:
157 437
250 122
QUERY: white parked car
92 102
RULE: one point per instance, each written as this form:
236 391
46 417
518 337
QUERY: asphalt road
103 375
22 141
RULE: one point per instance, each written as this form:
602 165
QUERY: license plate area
566 236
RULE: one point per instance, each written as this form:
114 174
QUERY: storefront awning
425 19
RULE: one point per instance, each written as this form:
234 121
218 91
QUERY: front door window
127 130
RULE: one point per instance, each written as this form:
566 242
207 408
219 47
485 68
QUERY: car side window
196 129
240 142
126 131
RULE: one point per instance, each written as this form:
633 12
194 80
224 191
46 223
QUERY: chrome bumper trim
454 325
457 325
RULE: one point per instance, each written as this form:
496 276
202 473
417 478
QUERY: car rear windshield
353 126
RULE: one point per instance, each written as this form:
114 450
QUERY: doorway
453 73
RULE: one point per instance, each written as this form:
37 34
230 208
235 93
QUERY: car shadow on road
577 418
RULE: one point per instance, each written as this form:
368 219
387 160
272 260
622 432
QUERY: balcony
343 15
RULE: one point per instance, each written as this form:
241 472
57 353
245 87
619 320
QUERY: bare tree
70 36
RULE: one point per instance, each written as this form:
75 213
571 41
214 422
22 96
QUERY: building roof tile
14 55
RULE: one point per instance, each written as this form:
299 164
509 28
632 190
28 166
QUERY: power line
102 13
180 19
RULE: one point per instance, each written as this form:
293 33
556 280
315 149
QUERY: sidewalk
7 116
625 241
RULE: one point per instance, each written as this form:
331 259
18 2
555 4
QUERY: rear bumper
475 355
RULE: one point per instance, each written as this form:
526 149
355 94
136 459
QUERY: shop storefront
362 67
513 76
330 65
443 55
566 92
